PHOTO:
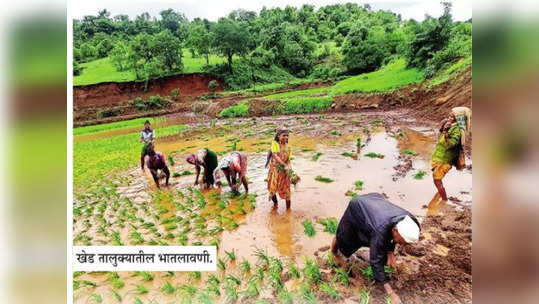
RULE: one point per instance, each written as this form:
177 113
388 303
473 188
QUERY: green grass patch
447 73
390 77
300 105
102 70
291 94
323 179
93 159
410 152
126 124
237 110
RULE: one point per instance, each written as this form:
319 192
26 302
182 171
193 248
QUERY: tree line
330 41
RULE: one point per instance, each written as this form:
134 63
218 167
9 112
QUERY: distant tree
230 39
200 39
169 49
119 56
364 51
87 51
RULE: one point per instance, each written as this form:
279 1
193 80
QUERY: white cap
408 229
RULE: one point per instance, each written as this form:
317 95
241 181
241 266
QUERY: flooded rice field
265 253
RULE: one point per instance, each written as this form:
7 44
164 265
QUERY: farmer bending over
372 221
449 146
146 137
234 167
206 159
155 160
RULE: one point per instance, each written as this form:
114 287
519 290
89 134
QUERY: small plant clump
374 155
358 184
410 152
309 228
330 224
322 179
316 156
420 174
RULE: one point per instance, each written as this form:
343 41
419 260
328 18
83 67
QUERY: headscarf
275 142
225 163
463 116
192 159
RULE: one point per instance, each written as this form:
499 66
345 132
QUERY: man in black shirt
372 221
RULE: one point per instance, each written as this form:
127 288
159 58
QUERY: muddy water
278 231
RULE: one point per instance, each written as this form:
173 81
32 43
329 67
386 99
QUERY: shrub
212 85
153 103
238 110
200 106
175 94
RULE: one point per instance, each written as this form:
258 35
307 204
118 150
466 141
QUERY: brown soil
111 94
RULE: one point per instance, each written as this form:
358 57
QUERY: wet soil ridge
431 103
110 94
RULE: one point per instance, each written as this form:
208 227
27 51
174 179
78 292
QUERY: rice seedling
285 297
146 276
351 193
182 239
195 275
117 283
116 240
77 273
96 297
275 265
364 296
308 228
204 298
197 243
88 283
335 133
330 291
330 224
231 295
410 152
275 280
263 258
117 296
168 288
245 266
186 172
358 184
347 154
252 290
221 265
233 280
312 271
374 155
330 260
307 294
170 160
76 285
171 226
317 155
214 242
306 150
420 174
138 301
188 289
231 255
341 276
322 179
293 270
141 289
213 289
212 279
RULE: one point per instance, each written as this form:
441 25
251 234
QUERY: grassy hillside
102 70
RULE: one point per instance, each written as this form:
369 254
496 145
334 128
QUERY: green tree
364 51
200 40
230 39
168 48
119 56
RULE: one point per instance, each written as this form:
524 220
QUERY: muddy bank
110 94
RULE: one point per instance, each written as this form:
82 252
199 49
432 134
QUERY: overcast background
214 9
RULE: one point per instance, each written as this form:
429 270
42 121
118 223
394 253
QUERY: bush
238 110
325 72
212 85
153 103
200 106
175 94
109 113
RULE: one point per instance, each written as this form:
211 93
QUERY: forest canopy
274 44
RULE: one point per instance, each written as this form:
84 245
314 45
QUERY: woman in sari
279 168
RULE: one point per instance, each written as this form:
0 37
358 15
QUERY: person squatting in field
234 167
155 160
279 173
146 137
207 159
372 221
449 148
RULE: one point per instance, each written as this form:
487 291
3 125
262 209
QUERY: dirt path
437 270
